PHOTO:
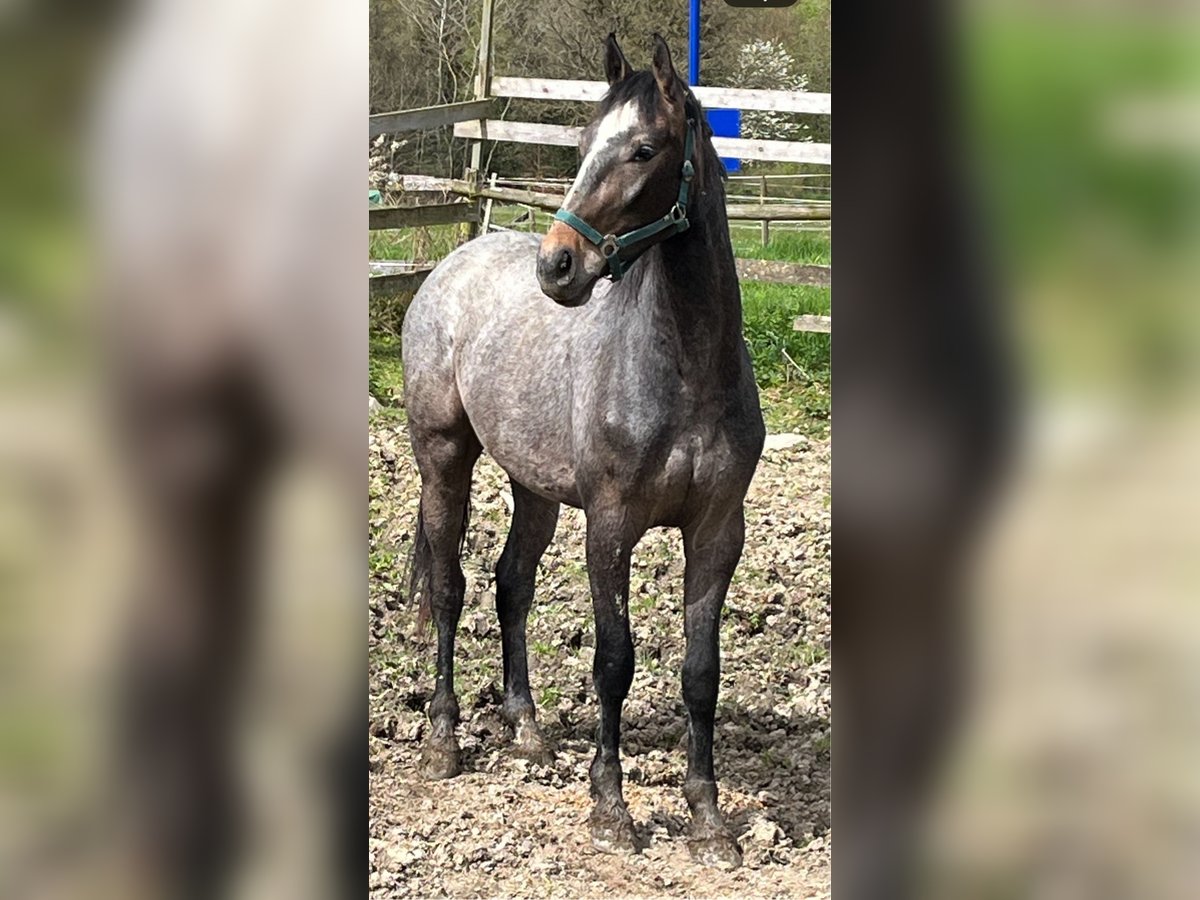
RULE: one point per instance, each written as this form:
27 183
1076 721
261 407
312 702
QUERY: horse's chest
645 441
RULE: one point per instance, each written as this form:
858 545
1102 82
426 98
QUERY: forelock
639 87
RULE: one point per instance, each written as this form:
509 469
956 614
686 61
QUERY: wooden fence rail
568 136
715 97
430 116
775 212
383 217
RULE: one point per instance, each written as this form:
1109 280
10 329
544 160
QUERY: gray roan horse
632 399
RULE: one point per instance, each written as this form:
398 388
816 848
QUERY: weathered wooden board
716 97
397 282
783 272
774 212
778 212
431 214
568 136
431 116
819 324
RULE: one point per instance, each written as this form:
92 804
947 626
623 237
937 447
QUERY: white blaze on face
612 133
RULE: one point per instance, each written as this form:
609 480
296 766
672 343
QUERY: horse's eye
644 153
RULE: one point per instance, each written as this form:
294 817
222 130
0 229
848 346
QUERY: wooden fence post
762 201
483 84
487 209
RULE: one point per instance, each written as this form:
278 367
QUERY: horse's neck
693 287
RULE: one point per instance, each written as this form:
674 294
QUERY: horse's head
634 182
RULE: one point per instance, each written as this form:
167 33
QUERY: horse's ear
616 66
664 70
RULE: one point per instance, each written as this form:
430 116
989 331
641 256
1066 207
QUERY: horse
602 366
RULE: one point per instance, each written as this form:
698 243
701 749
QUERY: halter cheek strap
611 245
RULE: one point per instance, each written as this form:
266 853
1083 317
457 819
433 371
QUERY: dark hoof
441 760
614 834
718 849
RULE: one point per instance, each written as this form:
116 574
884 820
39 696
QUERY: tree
767 65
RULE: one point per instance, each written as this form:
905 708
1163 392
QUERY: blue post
694 42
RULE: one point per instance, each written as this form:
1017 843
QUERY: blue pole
694 42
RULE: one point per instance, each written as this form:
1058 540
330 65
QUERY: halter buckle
677 213
688 170
608 247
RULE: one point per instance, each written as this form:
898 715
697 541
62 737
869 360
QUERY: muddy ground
507 827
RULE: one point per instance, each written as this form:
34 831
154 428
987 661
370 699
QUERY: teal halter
611 245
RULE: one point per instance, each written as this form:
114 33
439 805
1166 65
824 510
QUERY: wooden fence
469 199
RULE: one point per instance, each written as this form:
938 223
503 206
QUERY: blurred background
182 622
1074 776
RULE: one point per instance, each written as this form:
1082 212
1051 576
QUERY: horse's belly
553 481
520 413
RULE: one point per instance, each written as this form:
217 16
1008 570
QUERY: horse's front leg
712 552
609 546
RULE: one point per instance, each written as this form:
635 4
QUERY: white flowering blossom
768 65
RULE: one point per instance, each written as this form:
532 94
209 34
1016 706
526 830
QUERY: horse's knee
612 671
701 677
514 591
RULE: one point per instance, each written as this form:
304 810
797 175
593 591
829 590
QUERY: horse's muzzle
562 269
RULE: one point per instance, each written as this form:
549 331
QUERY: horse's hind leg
445 458
712 551
533 523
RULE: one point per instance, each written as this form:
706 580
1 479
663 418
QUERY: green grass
418 244
808 247
386 374
768 311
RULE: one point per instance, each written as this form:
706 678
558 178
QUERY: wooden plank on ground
715 97
430 214
430 116
819 324
397 282
776 272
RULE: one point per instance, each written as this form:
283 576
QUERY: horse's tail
420 566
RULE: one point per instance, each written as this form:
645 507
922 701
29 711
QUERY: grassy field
792 367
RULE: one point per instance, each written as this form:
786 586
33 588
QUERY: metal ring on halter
608 247
677 213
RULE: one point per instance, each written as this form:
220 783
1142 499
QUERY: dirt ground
507 827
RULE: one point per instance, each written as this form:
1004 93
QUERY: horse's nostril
563 264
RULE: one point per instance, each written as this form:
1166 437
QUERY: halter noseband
611 245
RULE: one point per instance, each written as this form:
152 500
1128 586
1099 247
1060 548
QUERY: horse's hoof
531 745
535 752
718 850
440 761
614 835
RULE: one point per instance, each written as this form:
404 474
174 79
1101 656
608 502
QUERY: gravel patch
514 828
